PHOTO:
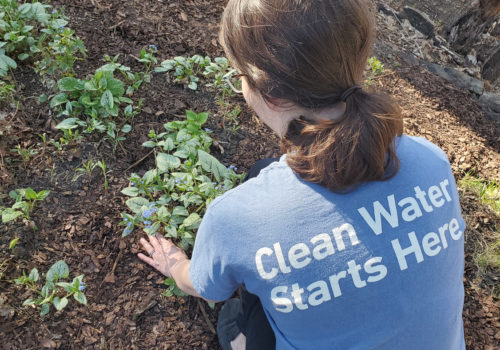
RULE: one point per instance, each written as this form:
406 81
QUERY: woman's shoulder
256 190
418 145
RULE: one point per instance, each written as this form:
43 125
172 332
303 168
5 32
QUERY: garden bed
79 221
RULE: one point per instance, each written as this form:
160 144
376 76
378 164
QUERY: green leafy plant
30 31
376 66
13 243
185 69
172 289
59 50
102 165
55 291
172 197
138 78
487 191
25 153
7 90
189 70
486 255
94 104
25 200
87 167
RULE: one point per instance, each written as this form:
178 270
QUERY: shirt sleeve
211 270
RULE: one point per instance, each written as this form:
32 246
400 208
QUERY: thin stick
205 316
139 161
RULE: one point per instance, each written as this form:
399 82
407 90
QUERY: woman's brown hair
310 52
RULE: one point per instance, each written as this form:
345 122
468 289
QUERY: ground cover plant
54 292
183 147
37 32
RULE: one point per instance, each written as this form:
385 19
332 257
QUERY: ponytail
344 153
312 53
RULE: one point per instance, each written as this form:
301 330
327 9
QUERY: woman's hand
163 254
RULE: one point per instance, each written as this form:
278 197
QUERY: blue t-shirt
377 268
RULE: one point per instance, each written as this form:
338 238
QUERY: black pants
252 320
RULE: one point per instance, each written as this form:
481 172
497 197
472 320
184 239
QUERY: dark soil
79 221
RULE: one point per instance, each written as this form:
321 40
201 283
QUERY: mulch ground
79 221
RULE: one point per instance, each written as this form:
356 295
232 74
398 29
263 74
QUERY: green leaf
180 211
58 23
28 301
57 271
165 162
43 98
149 176
69 84
46 289
149 144
80 297
13 243
60 304
126 128
128 111
23 56
58 99
199 118
30 194
171 231
68 123
6 62
33 276
211 164
135 204
68 287
192 221
42 195
45 309
10 214
152 230
115 86
130 191
107 99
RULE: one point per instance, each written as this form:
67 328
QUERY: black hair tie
349 92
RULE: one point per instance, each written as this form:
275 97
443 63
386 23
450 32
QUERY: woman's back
377 268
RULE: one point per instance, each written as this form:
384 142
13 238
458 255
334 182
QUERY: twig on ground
139 161
205 316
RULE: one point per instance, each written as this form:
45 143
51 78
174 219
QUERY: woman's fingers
147 259
165 243
147 247
155 243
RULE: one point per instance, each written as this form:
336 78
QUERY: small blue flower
147 222
232 167
142 182
127 230
82 287
153 46
177 181
129 224
148 212
208 130
216 187
53 11
132 184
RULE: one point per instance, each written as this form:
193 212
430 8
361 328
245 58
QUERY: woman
354 238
